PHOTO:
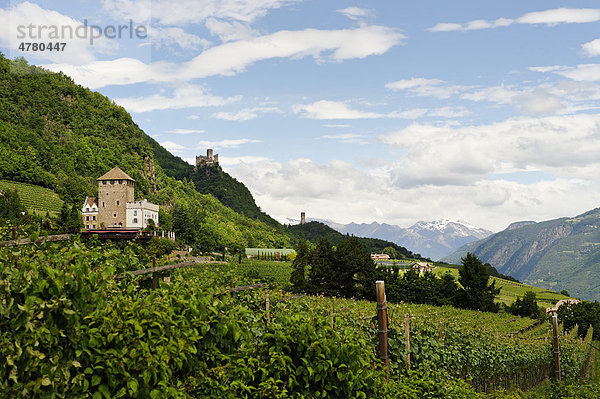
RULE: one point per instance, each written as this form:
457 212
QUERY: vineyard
34 198
70 328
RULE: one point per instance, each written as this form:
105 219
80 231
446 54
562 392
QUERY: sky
354 111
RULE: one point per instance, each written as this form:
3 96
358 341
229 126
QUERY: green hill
314 231
62 136
560 254
34 198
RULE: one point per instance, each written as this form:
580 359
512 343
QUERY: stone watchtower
115 190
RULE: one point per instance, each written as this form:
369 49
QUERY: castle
209 159
115 207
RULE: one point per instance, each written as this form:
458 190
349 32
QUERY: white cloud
228 31
171 146
582 72
463 155
548 17
191 11
449 112
471 25
414 113
285 189
325 109
247 159
347 138
185 131
336 125
591 49
234 57
82 43
170 36
245 114
561 16
182 97
539 102
230 143
355 13
427 87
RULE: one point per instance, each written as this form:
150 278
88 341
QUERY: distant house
115 208
380 257
421 267
90 213
560 303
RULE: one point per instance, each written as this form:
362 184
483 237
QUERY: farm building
421 267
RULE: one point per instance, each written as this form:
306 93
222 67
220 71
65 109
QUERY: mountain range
432 240
559 254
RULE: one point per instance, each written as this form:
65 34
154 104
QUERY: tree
11 207
391 251
354 270
475 292
584 314
300 266
526 307
321 268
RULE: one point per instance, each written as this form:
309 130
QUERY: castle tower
302 218
209 154
115 190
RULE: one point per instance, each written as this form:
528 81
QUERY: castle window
134 220
120 181
134 213
87 218
118 203
114 215
93 217
102 204
104 182
93 226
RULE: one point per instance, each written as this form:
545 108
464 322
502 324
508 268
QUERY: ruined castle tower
209 159
302 217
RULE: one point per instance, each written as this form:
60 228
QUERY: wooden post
154 274
557 372
268 311
382 326
407 335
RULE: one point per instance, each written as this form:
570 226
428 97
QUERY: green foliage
391 251
475 292
526 307
584 314
345 271
11 208
413 288
300 266
314 231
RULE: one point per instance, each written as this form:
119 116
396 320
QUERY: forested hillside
560 254
59 135
314 231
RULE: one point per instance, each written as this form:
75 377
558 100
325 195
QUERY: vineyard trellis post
154 274
407 335
382 326
267 308
556 348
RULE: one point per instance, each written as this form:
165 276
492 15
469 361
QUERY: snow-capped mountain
431 239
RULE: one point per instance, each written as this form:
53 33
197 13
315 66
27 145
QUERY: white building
90 213
138 214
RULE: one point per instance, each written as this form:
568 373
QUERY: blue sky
357 111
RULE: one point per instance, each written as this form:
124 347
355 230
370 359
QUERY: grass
36 199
